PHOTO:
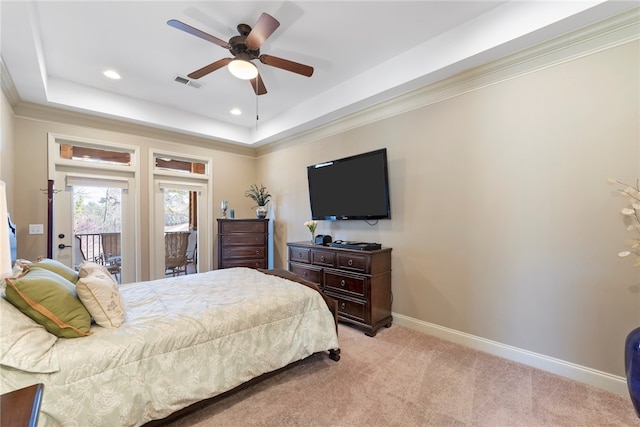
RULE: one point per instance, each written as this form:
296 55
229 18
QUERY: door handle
62 246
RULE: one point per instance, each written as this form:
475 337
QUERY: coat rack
50 193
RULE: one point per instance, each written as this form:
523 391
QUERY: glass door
90 223
180 232
97 227
181 228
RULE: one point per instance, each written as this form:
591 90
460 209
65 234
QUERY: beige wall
502 223
6 148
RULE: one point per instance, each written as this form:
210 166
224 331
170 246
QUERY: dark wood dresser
243 243
359 280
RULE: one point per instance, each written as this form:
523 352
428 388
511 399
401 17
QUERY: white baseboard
612 383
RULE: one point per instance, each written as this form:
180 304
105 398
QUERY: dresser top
242 219
311 245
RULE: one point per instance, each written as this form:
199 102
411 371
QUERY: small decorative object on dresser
261 196
243 243
360 280
224 205
311 225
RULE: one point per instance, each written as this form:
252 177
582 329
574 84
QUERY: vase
261 212
224 205
632 367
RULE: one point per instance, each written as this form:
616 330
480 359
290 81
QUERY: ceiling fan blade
260 89
196 32
285 64
209 68
265 26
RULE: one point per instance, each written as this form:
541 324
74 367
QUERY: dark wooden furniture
21 407
243 243
359 280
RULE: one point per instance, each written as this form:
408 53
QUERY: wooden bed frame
334 354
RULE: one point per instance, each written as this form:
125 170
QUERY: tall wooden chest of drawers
243 243
359 280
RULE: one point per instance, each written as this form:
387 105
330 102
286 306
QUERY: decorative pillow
100 295
51 301
24 344
89 267
57 267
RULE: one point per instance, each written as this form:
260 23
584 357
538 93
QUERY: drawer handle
350 263
343 306
257 252
299 254
305 274
322 258
342 283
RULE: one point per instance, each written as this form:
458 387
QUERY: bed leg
334 354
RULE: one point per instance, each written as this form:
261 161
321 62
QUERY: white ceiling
363 52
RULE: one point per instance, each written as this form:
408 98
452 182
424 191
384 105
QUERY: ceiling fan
245 48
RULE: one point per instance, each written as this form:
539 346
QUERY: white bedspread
185 339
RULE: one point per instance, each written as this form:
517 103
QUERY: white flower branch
633 212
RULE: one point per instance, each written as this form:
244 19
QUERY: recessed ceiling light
112 74
235 111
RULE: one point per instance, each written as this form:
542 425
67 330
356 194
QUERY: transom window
179 165
95 155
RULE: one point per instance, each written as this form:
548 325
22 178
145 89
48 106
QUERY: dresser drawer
251 263
325 258
347 283
310 273
351 308
300 254
243 239
243 252
352 262
240 226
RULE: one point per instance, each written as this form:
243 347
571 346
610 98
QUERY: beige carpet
405 378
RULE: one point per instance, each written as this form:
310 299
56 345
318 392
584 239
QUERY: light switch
36 229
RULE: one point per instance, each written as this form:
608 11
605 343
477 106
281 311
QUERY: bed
184 339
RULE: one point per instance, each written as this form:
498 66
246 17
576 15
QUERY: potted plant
261 196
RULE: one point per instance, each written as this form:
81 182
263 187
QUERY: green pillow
57 267
50 300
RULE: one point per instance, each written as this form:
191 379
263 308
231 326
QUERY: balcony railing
94 245
90 245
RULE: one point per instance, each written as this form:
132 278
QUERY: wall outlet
36 229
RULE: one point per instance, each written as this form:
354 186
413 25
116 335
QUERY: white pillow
88 267
99 293
24 344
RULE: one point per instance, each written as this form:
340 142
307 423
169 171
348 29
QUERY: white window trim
159 154
55 140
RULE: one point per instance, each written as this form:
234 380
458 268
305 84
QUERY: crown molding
8 87
43 113
609 33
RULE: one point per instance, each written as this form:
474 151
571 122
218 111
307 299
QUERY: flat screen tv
355 187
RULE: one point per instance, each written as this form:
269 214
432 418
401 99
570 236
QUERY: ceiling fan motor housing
239 47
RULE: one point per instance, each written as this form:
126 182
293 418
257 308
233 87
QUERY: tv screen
355 187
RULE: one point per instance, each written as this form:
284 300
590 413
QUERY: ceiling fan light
242 69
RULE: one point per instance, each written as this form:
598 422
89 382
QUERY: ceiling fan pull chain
257 115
